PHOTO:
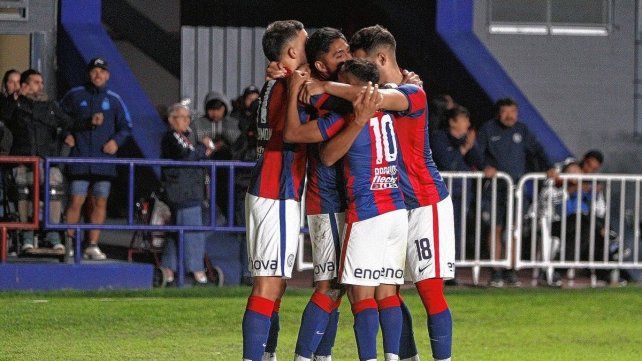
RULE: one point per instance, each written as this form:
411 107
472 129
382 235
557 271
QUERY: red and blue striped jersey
325 192
421 182
370 167
280 170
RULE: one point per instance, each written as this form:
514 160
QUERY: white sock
300 358
391 357
322 358
267 356
414 358
446 359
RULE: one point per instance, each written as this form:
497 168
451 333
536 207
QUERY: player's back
280 170
371 172
421 182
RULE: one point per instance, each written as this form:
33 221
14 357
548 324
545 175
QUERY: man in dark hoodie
35 121
94 100
218 125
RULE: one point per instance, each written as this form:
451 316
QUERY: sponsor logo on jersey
323 268
384 178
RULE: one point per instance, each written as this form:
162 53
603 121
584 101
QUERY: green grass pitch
205 324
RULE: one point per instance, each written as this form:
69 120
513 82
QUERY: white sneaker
269 356
58 247
94 253
26 247
200 277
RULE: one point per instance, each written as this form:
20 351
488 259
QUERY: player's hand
410 77
70 141
110 147
296 81
97 119
366 104
312 87
275 71
490 172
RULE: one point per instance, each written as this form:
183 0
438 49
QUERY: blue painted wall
455 26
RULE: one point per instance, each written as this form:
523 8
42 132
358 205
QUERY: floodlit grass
205 324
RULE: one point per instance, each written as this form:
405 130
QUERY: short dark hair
6 76
362 69
458 110
24 77
371 38
215 104
277 34
319 42
504 102
594 153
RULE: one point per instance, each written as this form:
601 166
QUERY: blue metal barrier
131 226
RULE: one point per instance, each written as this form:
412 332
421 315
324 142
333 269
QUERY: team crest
517 138
290 260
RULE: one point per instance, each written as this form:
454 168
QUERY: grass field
205 324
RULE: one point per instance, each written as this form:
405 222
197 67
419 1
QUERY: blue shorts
100 188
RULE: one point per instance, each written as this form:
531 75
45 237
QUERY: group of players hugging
348 118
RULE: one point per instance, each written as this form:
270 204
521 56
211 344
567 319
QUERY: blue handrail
132 163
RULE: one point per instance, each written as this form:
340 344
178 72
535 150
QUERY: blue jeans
194 242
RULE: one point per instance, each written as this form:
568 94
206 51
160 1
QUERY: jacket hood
213 95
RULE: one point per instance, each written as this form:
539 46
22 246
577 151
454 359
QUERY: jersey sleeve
330 124
327 102
416 100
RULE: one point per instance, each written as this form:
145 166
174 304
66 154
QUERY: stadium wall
582 85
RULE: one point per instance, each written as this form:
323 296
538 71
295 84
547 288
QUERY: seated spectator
592 161
454 149
34 120
245 108
183 193
438 108
94 100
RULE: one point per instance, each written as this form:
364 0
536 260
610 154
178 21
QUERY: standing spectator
438 108
10 88
245 108
507 146
183 193
455 149
218 125
592 161
34 121
94 100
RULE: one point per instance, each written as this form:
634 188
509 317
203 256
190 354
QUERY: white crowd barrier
580 222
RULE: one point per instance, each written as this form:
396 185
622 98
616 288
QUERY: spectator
507 146
218 125
34 121
438 109
245 108
10 88
592 161
182 193
455 149
94 100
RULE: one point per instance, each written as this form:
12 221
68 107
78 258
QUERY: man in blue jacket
508 146
94 100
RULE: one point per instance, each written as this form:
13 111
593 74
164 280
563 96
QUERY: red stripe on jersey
435 235
344 249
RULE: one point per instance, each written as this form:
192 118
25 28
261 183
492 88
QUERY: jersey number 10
385 141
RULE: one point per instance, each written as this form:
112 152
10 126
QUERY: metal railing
480 238
35 223
212 166
578 223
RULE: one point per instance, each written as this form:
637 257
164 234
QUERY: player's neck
391 74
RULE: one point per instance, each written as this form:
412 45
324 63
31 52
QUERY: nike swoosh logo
421 269
319 333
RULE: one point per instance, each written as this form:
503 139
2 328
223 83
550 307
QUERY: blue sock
391 321
314 321
275 327
256 326
327 341
366 327
440 330
407 346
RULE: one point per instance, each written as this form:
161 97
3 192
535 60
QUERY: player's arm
365 105
295 131
390 99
